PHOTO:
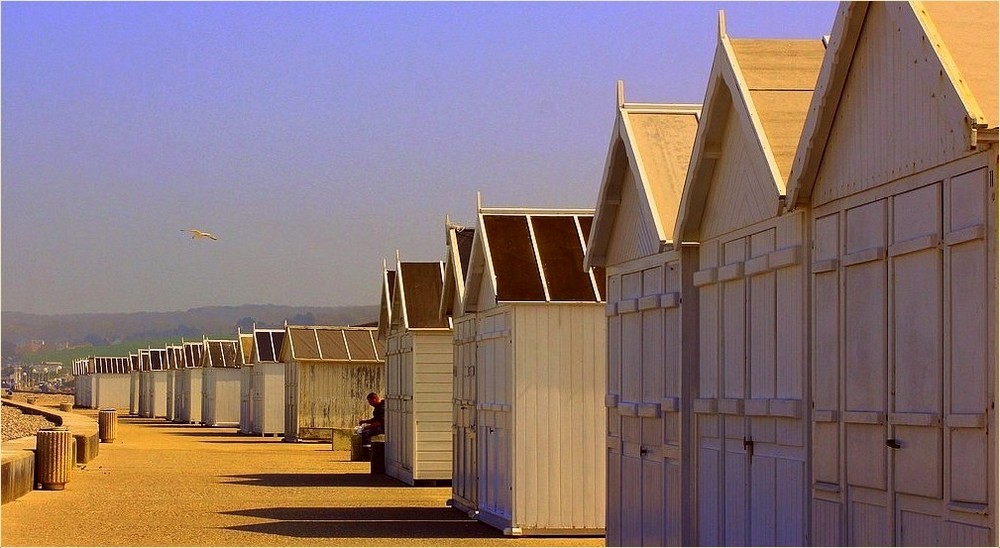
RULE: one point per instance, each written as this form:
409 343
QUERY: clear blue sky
313 138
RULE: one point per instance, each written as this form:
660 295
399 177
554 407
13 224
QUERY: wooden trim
756 407
614 444
628 409
826 265
825 415
731 271
538 258
782 258
670 300
628 305
977 232
864 256
788 408
826 486
648 302
611 309
965 420
913 245
610 400
730 406
705 276
670 405
864 417
651 410
705 406
968 507
757 265
915 419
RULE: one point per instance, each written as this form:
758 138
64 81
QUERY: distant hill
59 330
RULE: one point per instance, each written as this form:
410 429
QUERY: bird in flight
198 234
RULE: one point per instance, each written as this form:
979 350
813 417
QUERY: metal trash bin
31 400
65 407
107 424
54 456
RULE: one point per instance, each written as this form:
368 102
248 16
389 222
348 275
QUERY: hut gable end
896 115
630 236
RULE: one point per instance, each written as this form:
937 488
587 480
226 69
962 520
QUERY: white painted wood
246 399
268 398
191 388
220 403
110 390
464 483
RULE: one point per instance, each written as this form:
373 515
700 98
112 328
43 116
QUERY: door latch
643 451
748 446
893 443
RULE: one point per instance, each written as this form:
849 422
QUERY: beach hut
896 175
81 383
418 368
267 397
328 372
175 360
245 359
153 383
110 383
458 245
539 371
652 339
189 384
135 366
751 427
220 389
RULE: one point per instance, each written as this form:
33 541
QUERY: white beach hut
246 380
189 384
896 175
134 372
110 383
539 371
418 360
220 389
153 383
458 243
175 361
652 338
328 372
267 397
81 383
751 429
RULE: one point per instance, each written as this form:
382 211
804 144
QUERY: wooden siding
111 390
220 405
190 388
631 237
741 190
897 115
900 278
267 398
324 395
557 371
464 484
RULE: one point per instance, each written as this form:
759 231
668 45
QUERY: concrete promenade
161 484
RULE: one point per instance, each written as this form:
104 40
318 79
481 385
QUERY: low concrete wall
17 457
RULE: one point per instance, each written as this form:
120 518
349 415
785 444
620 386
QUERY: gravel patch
15 424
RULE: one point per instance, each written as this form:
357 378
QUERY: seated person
375 425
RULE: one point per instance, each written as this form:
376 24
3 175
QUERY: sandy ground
160 484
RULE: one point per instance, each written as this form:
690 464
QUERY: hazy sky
313 138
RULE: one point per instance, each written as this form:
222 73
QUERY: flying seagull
198 235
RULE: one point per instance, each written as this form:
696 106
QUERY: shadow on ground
315 480
366 522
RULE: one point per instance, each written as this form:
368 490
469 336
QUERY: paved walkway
161 484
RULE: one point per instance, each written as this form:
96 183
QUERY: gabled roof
220 353
767 85
267 345
964 37
109 364
385 307
157 359
175 356
417 298
332 344
531 255
192 354
133 362
246 347
144 362
458 240
653 143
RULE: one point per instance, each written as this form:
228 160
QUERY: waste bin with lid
53 457
107 424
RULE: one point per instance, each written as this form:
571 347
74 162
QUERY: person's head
373 398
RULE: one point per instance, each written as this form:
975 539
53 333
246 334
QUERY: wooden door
493 380
464 454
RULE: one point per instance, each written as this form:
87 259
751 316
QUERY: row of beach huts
778 326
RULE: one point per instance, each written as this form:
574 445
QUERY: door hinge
748 447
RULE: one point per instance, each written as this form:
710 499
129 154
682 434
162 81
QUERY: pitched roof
267 345
385 306
157 359
768 85
653 142
175 356
220 353
332 344
527 255
418 295
109 364
458 240
964 36
246 348
192 354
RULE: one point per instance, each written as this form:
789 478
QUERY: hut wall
220 405
464 485
419 413
171 380
904 302
268 398
190 388
134 396
651 355
111 391
321 396
246 399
